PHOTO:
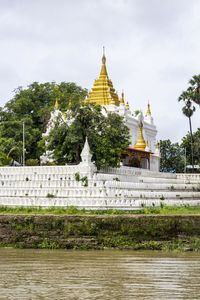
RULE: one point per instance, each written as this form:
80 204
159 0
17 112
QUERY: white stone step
94 203
153 186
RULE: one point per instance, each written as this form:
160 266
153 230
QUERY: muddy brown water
107 275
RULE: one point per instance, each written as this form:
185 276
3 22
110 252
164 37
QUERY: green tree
188 110
33 105
4 160
194 89
107 135
172 157
186 144
189 96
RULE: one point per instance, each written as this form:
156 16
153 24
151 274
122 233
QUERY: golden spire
56 105
127 105
140 143
103 72
64 116
103 92
122 102
148 113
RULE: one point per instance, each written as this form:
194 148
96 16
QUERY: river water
107 275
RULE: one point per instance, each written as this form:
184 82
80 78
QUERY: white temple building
142 128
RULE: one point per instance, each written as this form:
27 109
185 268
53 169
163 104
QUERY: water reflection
42 274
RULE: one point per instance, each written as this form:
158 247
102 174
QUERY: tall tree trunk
191 135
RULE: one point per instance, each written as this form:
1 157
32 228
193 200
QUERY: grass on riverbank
71 210
175 245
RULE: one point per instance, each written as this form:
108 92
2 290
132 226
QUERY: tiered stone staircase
143 188
83 187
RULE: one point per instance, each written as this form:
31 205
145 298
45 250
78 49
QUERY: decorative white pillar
86 164
85 154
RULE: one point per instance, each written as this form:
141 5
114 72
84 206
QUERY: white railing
189 177
123 170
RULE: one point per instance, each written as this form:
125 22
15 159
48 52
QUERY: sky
152 50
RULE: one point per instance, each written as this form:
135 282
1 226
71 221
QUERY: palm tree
194 89
188 110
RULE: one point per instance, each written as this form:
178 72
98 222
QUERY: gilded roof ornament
56 105
64 116
103 57
148 113
127 105
140 143
122 102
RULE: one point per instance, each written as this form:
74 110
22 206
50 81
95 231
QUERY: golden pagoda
140 143
148 113
103 92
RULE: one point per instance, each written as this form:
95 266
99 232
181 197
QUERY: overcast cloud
152 49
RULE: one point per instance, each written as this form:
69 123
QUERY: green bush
77 176
32 162
49 195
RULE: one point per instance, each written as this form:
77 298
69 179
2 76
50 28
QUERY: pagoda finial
140 143
148 113
127 105
103 67
122 102
64 116
103 57
56 105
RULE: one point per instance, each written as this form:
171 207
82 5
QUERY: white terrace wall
119 188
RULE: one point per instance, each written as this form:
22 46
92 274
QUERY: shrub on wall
32 162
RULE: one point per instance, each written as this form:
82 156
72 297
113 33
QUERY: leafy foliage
107 135
4 159
191 95
33 105
172 157
186 143
193 91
